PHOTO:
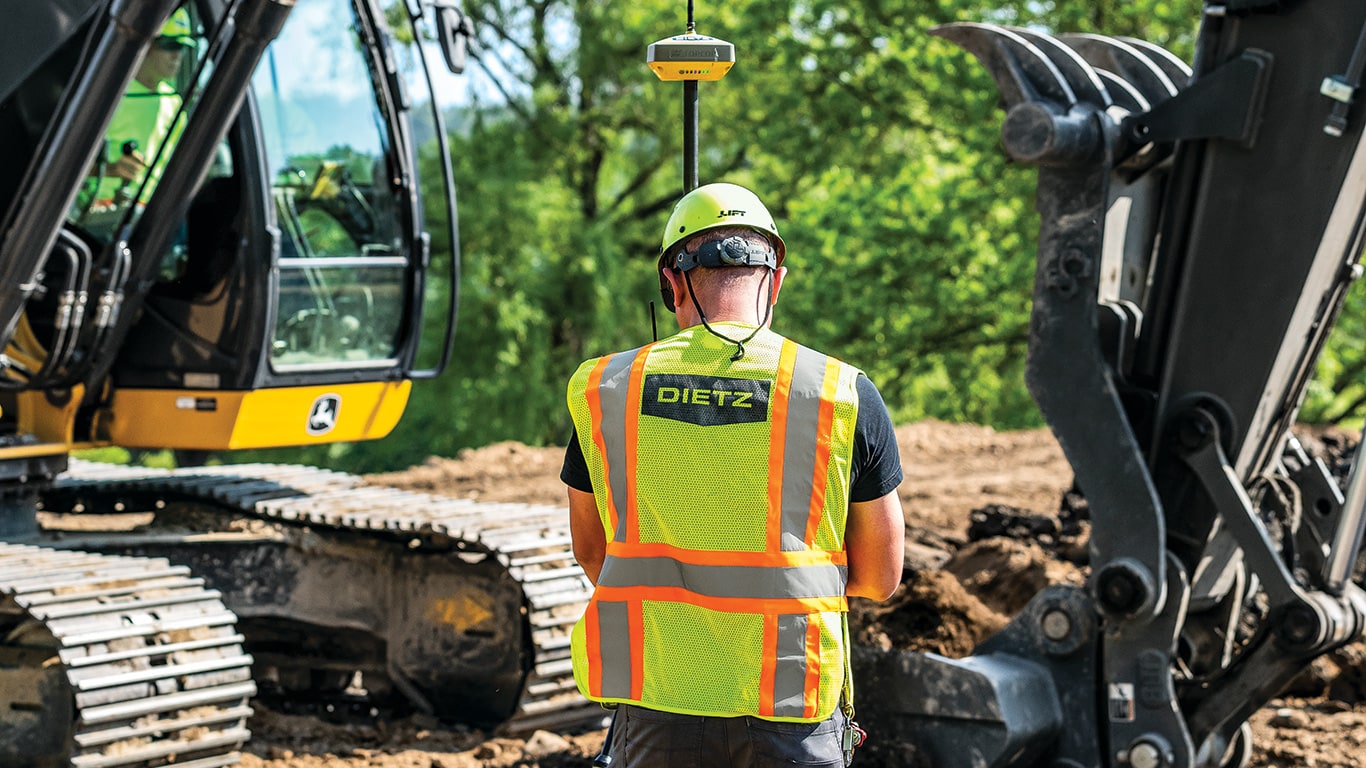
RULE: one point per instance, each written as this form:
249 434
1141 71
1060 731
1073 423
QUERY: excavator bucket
1190 265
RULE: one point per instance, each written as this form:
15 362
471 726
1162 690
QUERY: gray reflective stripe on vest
614 637
741 581
789 675
612 389
799 446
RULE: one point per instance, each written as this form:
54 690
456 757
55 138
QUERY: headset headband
733 251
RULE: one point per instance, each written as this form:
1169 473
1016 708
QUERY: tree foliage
911 238
875 144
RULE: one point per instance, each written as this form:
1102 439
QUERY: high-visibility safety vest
723 489
146 117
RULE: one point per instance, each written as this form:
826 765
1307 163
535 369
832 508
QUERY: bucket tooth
1080 76
1022 72
1177 70
1131 64
1124 93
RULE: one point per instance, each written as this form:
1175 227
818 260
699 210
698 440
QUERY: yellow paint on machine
48 420
264 418
460 612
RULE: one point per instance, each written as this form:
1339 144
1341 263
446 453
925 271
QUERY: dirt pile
990 521
506 471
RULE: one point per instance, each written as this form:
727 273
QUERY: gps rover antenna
690 58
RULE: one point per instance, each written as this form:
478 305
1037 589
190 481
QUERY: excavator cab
211 237
260 278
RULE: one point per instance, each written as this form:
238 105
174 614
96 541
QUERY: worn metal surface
462 608
1024 697
1188 272
114 662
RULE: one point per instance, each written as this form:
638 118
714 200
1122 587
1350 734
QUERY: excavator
213 237
255 269
1199 227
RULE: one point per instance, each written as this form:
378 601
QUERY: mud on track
957 589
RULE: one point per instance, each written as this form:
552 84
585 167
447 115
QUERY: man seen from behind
728 490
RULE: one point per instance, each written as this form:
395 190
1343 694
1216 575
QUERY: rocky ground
986 528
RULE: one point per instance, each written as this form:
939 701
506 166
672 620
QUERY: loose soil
986 528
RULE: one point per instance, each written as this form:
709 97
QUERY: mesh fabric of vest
707 488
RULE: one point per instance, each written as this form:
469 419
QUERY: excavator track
149 657
338 514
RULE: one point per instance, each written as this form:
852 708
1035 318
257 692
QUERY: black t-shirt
876 467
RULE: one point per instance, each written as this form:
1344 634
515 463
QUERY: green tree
911 238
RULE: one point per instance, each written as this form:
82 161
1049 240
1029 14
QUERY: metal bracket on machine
1224 104
1343 88
1299 624
1320 494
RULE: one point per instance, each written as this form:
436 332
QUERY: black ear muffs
666 291
731 252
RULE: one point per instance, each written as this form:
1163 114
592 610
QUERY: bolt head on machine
690 57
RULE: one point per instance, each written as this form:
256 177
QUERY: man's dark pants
647 738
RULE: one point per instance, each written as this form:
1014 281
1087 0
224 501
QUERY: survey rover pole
689 133
690 121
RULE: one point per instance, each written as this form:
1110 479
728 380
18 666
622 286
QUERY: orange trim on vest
813 666
632 433
777 441
768 671
595 413
729 557
822 471
723 604
593 648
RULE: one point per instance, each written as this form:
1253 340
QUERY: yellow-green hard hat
179 28
719 205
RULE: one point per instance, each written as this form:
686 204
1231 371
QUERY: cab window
342 260
143 131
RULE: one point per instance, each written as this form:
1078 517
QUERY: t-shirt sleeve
877 463
574 471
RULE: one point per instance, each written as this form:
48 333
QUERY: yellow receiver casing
690 57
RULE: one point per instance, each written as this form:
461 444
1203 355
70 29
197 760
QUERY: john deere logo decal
322 417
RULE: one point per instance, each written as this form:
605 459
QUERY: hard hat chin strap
740 344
